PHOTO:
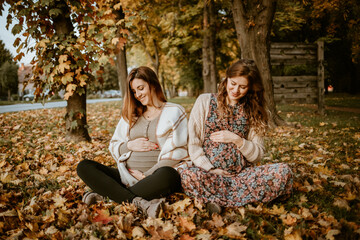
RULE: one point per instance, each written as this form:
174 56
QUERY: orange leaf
103 216
187 224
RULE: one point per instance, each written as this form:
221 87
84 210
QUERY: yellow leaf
138 232
296 148
290 234
330 234
303 199
258 209
9 213
324 223
180 206
62 58
62 66
67 78
350 196
70 87
43 43
306 214
342 203
322 124
59 201
83 79
67 95
117 6
115 40
242 211
234 230
277 211
288 219
187 224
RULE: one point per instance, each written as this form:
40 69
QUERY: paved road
33 106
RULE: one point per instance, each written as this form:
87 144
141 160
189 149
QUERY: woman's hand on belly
219 171
225 136
137 174
141 145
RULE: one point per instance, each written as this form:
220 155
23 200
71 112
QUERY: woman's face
141 91
236 88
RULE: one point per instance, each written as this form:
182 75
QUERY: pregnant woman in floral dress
225 140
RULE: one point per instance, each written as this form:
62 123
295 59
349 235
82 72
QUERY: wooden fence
300 89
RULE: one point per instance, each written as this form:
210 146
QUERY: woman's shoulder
202 101
174 108
204 97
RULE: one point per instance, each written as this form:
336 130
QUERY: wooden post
321 78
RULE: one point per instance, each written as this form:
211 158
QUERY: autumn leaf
291 234
138 232
235 230
180 206
331 233
58 201
277 210
102 216
288 219
187 224
62 66
68 77
342 203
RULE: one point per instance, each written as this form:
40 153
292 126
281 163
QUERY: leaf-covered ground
40 193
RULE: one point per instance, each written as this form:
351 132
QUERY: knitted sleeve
196 132
253 147
117 145
172 133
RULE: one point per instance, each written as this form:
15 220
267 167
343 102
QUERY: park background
86 47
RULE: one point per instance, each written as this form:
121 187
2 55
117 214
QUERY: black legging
106 181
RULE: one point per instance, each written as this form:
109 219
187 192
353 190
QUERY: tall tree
253 21
120 53
5 55
8 79
208 50
8 73
66 57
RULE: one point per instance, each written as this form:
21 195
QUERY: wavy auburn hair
132 109
254 100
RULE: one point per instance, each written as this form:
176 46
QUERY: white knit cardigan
252 148
171 133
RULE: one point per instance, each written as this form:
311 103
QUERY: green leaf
87 19
99 37
94 66
16 29
103 59
55 12
81 63
81 91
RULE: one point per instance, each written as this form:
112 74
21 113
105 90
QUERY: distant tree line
8 74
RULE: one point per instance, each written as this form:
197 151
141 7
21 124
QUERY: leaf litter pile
40 192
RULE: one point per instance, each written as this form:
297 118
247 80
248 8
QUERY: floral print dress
247 184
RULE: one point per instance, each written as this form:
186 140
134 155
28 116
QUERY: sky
8 38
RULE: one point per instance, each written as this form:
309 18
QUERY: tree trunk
121 65
75 118
253 21
209 58
121 68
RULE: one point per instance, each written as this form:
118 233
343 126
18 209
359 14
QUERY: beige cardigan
171 134
252 148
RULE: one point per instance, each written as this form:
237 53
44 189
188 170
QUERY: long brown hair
255 105
132 108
